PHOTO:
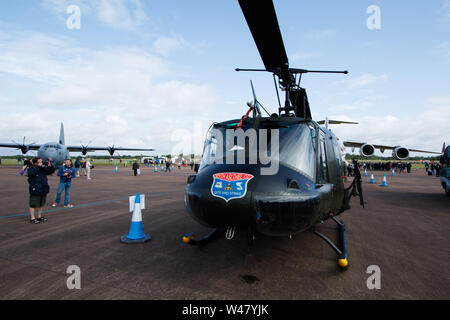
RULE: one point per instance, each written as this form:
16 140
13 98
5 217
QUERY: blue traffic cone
116 170
365 172
384 184
136 233
372 179
393 172
156 169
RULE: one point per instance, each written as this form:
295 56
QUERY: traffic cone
372 179
384 184
136 234
393 172
116 170
365 172
156 169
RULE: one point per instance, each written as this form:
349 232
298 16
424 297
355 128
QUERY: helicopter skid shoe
342 251
214 235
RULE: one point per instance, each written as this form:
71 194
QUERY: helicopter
277 175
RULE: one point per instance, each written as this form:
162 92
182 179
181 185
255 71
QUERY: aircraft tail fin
61 135
326 122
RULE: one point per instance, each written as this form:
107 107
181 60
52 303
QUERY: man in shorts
38 188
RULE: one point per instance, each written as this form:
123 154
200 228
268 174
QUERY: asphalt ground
404 230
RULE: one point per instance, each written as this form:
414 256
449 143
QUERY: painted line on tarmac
90 204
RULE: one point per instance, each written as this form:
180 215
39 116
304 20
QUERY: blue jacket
37 178
63 169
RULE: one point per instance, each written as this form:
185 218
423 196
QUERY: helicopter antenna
256 103
276 89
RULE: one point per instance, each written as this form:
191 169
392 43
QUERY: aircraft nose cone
288 214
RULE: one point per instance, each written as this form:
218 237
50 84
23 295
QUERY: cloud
320 35
119 95
59 7
442 51
127 15
364 80
424 131
164 45
305 56
445 9
122 14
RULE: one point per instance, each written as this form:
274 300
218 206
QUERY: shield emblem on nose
230 185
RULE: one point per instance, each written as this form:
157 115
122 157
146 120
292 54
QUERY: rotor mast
263 23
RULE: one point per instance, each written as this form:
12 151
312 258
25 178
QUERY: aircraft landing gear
342 251
214 235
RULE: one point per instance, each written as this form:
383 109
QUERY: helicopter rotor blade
263 23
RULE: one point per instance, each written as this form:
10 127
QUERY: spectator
66 172
83 167
135 168
38 188
89 166
77 167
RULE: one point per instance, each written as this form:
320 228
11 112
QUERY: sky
156 74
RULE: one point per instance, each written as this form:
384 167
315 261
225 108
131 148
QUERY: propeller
85 148
111 150
23 147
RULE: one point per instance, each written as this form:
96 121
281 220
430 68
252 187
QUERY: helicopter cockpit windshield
296 144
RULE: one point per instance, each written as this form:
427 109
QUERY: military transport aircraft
58 151
398 152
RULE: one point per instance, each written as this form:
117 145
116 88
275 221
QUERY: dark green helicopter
277 175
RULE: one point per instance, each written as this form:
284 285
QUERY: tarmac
404 230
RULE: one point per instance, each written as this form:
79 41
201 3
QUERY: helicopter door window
323 174
296 148
338 156
211 153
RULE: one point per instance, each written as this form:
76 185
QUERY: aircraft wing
322 122
19 146
354 144
74 148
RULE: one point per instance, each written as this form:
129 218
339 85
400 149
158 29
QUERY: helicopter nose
286 215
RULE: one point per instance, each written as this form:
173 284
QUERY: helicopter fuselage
307 187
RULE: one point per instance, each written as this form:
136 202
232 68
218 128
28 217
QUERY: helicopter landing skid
342 251
214 235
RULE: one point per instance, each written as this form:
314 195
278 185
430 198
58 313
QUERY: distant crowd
380 166
432 168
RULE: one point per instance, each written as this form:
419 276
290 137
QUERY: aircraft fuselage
307 187
55 151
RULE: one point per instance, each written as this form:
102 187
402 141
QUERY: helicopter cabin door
335 171
323 175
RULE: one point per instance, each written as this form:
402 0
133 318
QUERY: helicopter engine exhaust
367 150
400 153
